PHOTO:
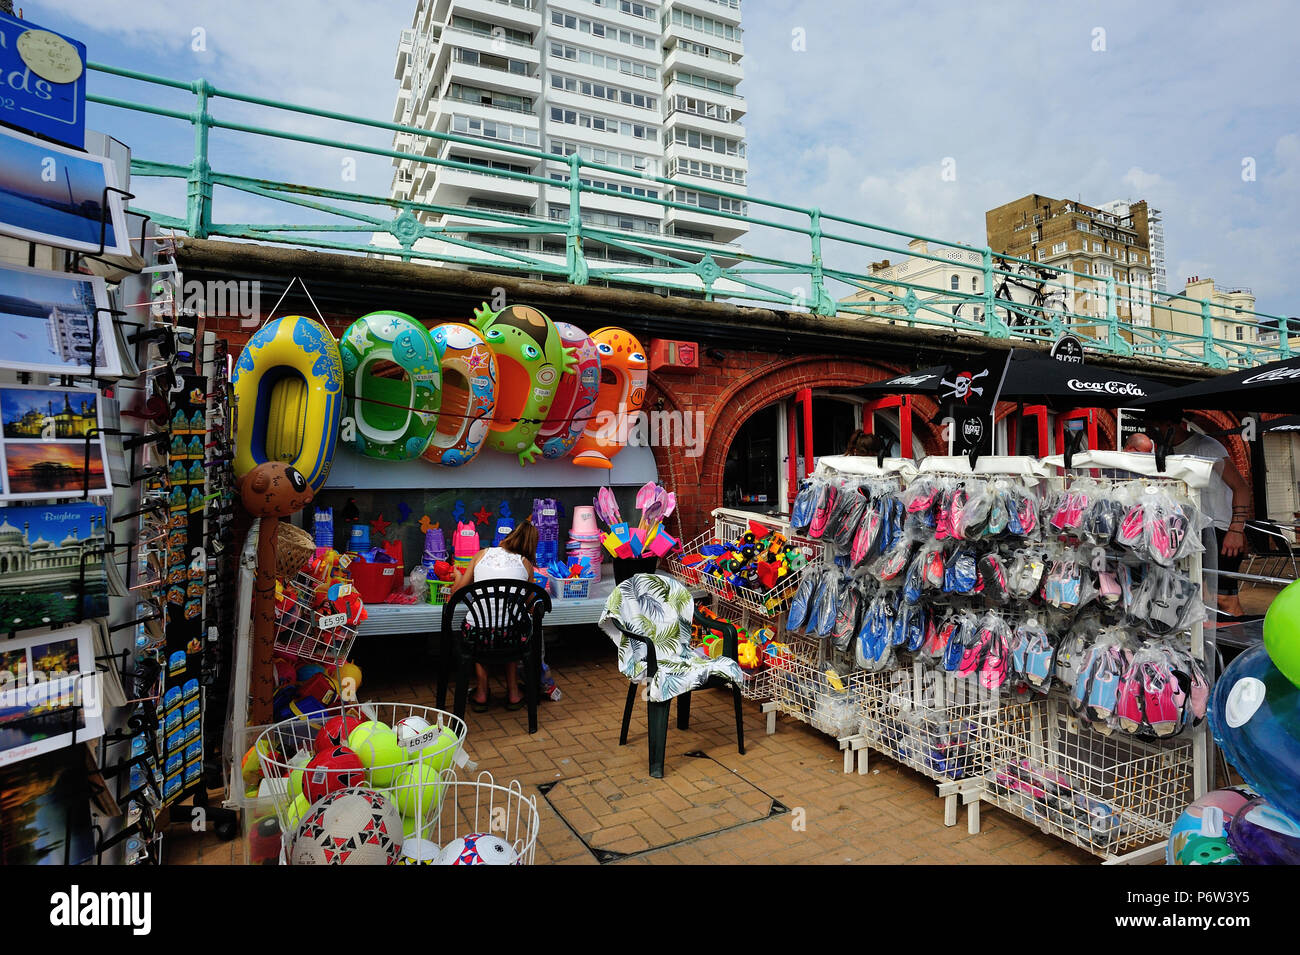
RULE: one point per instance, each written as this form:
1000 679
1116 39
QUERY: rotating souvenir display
394 417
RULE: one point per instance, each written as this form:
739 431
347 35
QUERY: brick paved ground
715 810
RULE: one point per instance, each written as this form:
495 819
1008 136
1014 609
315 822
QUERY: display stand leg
948 793
771 708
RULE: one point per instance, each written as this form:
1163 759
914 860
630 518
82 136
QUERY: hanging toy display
530 360
288 389
623 376
575 400
269 491
395 416
469 394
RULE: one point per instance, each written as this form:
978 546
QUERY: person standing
1226 502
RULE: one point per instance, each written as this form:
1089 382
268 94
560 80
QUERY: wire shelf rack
810 693
922 720
1105 794
729 526
307 627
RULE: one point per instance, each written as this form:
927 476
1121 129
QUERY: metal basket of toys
316 619
353 784
480 823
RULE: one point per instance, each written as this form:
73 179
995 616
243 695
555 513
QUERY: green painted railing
997 295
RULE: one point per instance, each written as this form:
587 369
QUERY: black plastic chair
502 623
657 711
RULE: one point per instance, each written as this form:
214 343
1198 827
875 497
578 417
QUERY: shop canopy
1274 387
1289 423
1030 378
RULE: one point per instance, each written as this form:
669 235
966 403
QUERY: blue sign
42 82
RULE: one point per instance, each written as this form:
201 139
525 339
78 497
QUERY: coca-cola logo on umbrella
1107 387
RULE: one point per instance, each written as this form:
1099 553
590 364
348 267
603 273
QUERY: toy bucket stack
546 518
585 538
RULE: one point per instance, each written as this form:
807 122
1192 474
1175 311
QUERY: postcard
58 196
48 321
50 443
60 701
45 811
42 551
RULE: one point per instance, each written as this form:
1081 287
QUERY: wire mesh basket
478 808
396 749
308 626
767 603
1105 794
827 700
926 720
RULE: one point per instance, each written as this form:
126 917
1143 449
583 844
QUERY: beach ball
1200 834
1263 836
1255 719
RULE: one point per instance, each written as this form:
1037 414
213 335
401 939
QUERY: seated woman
513 560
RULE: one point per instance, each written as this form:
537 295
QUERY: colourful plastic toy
469 394
530 360
394 417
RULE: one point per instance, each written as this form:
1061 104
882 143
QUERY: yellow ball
350 671
441 753
379 750
417 791
297 809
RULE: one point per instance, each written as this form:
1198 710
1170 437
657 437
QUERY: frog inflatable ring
393 385
531 357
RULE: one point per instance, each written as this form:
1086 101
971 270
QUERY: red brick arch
729 396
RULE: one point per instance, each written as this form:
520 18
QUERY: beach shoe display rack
1109 795
1115 796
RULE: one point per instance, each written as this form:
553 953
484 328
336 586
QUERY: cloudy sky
853 107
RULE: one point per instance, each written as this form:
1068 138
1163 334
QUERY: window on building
1058 248
974 284
955 283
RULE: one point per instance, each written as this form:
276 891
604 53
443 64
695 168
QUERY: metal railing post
1212 356
574 259
198 207
994 327
822 304
1118 346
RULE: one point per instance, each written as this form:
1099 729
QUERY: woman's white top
497 563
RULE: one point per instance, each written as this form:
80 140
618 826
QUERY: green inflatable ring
394 418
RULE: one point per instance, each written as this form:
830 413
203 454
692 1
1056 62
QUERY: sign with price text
42 82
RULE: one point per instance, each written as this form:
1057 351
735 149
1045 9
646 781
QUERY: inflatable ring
395 417
623 376
530 360
288 388
576 398
469 393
